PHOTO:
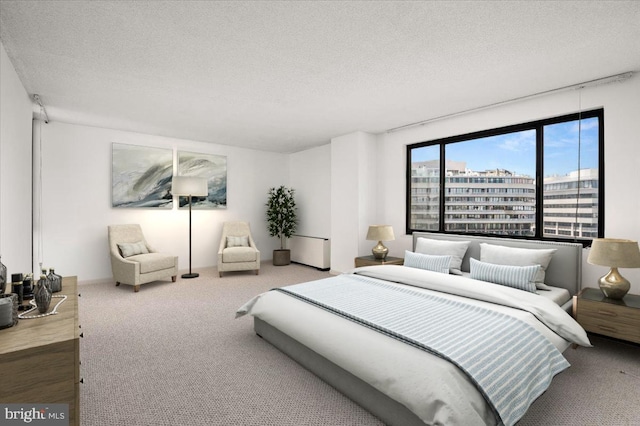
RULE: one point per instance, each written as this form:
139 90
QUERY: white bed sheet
556 294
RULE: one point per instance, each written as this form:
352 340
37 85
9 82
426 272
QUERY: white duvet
434 389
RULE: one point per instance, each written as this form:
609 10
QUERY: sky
516 151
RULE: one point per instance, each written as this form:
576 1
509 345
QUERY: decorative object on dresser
42 294
619 318
281 220
55 280
372 261
189 186
27 287
380 233
8 310
615 253
18 290
42 358
3 276
134 261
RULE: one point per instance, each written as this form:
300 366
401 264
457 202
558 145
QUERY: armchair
237 251
134 262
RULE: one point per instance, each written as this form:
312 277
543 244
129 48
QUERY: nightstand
372 261
614 318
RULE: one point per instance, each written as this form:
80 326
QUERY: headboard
564 270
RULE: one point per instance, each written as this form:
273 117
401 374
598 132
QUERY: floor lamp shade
189 186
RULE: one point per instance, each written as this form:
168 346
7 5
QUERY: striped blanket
510 362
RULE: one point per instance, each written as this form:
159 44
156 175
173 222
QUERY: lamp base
191 275
614 285
380 251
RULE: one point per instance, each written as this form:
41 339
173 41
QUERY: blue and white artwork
208 166
141 176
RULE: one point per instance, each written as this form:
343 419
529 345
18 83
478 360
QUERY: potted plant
282 221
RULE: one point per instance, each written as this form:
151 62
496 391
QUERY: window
540 180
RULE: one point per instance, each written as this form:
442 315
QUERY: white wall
621 102
353 197
15 169
310 176
76 198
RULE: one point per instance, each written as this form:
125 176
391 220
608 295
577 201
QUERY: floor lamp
189 186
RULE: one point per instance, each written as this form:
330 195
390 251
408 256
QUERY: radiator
312 251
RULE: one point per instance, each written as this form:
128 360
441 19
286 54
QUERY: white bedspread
434 389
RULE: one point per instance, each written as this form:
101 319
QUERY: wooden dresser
39 358
615 318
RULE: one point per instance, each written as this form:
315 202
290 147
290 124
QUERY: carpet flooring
173 354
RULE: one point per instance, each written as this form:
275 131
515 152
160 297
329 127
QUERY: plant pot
281 257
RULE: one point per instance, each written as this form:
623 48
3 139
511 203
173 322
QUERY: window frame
538 127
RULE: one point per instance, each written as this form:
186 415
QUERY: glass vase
55 281
3 277
42 294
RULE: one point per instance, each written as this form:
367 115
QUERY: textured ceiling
285 76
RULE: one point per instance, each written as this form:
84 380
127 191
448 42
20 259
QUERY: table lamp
615 253
380 233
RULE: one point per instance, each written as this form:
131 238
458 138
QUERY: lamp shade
189 185
615 253
380 233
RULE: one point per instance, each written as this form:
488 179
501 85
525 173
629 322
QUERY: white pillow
520 277
242 241
455 249
131 249
427 261
502 255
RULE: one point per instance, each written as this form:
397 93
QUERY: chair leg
117 283
173 278
136 288
220 274
257 271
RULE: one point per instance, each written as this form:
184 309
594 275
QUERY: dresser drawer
616 321
618 330
608 313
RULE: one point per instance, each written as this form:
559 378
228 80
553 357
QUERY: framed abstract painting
141 177
209 166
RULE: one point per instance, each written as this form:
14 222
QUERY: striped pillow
427 261
520 277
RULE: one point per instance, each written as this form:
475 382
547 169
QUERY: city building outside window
540 180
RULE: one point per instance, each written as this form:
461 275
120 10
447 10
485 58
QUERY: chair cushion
151 262
239 254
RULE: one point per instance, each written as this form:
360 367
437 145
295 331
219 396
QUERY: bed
353 331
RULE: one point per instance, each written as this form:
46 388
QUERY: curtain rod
591 83
37 100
